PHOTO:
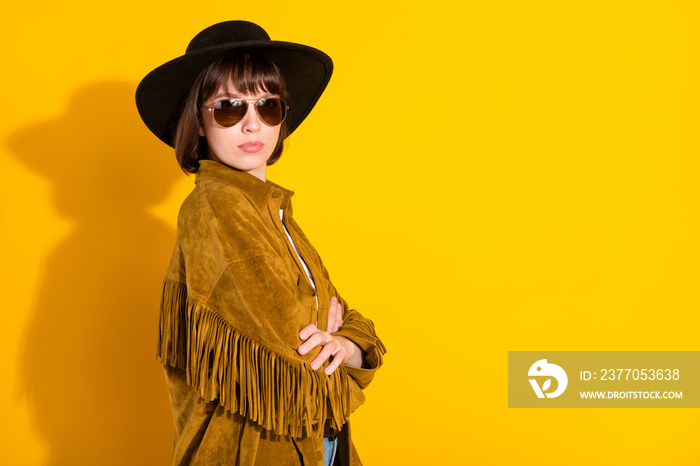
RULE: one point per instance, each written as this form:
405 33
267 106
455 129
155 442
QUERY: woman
263 358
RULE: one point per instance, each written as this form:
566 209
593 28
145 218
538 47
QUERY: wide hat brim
160 94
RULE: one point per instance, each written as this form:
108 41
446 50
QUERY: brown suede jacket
235 297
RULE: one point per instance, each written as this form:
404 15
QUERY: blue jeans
329 450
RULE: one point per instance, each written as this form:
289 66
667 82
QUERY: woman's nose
251 121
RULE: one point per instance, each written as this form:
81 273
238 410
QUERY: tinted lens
229 112
272 111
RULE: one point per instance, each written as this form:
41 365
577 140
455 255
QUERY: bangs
248 74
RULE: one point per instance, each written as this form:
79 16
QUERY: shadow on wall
89 371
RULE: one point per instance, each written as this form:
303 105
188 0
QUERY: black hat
159 95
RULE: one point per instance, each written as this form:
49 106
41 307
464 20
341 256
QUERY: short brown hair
248 74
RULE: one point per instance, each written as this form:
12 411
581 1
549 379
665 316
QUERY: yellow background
479 177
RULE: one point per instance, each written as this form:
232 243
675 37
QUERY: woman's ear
201 131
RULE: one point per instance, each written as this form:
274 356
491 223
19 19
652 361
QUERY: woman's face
249 143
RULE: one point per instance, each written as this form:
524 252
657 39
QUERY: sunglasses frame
248 103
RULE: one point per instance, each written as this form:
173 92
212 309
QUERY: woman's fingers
334 349
338 358
317 339
313 337
339 318
332 316
307 331
335 315
327 351
332 346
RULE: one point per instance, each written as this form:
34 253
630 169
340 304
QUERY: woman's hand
341 349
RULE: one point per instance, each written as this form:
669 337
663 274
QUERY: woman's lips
253 146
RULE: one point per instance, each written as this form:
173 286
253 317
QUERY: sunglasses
271 110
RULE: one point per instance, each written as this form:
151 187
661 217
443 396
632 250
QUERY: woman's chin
245 164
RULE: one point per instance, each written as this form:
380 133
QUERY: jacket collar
260 192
